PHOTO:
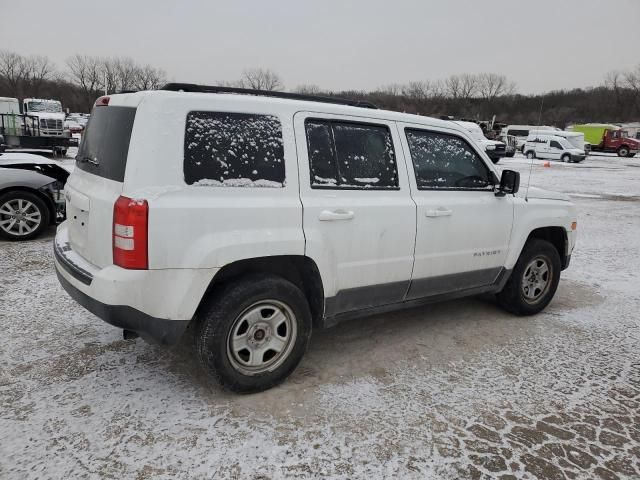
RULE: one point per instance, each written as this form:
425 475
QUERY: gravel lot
455 390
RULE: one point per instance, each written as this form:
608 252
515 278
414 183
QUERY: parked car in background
610 138
574 138
31 194
494 149
79 118
521 132
267 214
73 126
552 147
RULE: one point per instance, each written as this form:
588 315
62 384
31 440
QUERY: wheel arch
556 236
300 270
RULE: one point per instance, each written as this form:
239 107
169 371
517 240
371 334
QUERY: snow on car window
445 161
233 150
350 155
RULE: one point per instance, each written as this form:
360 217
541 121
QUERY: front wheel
253 332
534 279
623 152
566 158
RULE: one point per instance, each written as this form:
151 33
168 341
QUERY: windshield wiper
88 159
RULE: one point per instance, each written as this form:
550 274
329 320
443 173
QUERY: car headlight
490 147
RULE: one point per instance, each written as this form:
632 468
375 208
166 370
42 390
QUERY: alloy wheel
19 217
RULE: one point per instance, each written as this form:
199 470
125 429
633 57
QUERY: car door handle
440 212
332 215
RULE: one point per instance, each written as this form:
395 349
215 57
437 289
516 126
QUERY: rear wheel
253 333
23 215
534 279
623 152
531 154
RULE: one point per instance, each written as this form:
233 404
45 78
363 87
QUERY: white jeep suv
255 217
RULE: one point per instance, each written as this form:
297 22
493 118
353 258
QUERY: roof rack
191 87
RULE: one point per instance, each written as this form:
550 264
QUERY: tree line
471 96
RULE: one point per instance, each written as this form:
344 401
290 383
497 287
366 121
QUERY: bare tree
38 69
126 72
417 90
86 72
14 71
492 85
261 79
453 86
308 89
632 82
149 78
469 85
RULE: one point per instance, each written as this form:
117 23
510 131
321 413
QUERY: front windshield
565 143
50 106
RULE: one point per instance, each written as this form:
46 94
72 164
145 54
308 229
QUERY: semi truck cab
49 113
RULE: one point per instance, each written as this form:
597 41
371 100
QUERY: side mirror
509 182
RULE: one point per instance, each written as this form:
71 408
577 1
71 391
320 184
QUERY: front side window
555 144
350 155
446 161
225 149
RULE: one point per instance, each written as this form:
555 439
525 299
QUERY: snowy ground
454 390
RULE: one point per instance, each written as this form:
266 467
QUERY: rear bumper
158 330
156 304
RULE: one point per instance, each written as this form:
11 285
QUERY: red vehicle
608 138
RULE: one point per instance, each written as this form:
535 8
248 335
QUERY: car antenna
526 195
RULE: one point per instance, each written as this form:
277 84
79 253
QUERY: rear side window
446 161
350 155
233 150
519 133
105 142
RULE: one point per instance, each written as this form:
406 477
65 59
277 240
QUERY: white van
521 132
255 218
552 147
575 138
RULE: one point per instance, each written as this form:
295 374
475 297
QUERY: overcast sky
540 44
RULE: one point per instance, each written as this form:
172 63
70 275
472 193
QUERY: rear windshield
105 142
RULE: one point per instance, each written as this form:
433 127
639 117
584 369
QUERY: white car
552 147
256 219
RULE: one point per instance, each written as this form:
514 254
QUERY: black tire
512 297
511 154
221 314
37 203
623 152
566 158
531 154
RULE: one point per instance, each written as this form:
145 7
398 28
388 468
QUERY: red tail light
102 101
130 228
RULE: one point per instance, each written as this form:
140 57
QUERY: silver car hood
30 159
